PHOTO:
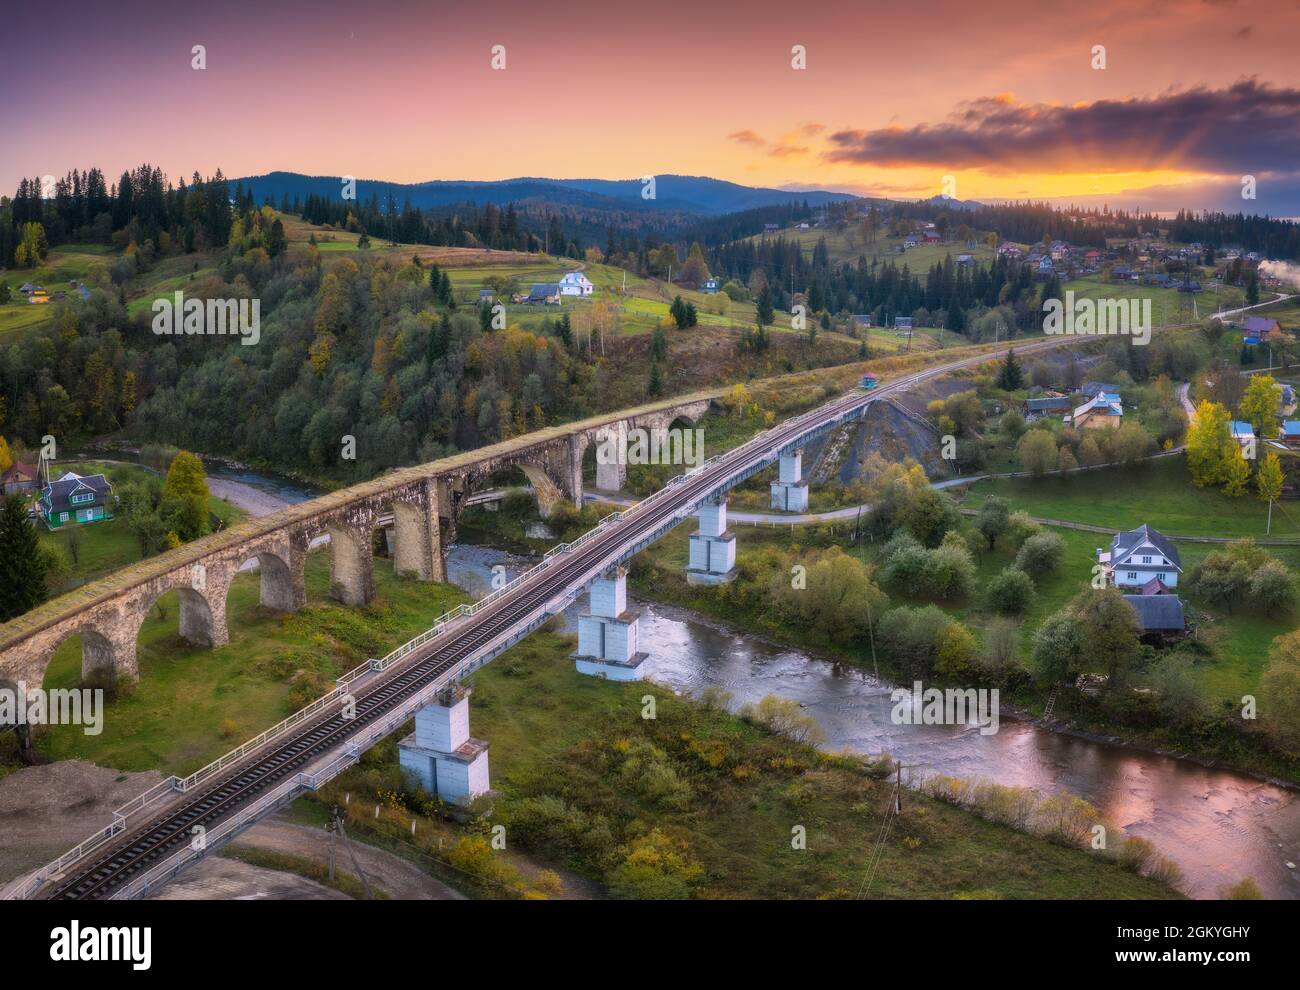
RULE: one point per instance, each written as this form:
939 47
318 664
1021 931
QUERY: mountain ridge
687 194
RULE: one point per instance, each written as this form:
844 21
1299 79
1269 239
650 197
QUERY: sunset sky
1001 96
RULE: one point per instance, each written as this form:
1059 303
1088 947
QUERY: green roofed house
76 499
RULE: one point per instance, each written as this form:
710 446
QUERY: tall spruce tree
1010 377
22 565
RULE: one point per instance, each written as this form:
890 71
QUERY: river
1217 825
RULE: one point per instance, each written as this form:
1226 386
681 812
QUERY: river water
1217 825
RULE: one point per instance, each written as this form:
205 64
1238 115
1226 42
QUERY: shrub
1243 890
955 651
911 636
1021 527
1041 554
656 867
785 717
1011 591
1271 588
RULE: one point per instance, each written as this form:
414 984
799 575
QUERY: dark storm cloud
1248 127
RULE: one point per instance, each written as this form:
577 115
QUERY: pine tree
22 565
656 386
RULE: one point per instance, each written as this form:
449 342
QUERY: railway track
105 869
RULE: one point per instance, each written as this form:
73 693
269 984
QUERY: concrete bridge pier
440 756
607 633
790 491
712 547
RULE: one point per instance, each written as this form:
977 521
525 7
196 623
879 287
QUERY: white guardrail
174 785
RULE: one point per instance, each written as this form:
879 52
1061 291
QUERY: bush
1021 527
955 651
911 636
1244 890
1271 588
1011 591
656 867
1041 554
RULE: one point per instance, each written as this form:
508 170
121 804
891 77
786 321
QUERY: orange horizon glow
403 92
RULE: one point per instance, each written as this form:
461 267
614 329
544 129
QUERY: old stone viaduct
424 503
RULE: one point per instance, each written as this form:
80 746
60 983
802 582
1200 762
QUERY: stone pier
713 548
607 633
790 491
440 756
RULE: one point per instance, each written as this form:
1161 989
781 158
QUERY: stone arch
545 490
277 584
101 652
201 616
351 565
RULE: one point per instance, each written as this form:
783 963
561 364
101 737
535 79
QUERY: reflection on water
1218 826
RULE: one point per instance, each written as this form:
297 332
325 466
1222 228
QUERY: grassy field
272 665
71 261
1167 305
1159 492
848 245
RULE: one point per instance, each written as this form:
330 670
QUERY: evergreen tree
1010 377
22 565
764 306
656 386
658 345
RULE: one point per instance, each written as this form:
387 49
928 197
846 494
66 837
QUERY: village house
486 295
771 228
19 479
1091 390
38 295
1255 329
575 284
1160 616
862 321
1291 432
964 260
1103 411
710 286
1243 433
76 499
1139 555
1009 250
1048 405
547 293
903 324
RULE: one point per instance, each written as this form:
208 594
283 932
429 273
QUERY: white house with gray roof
1137 556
